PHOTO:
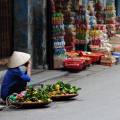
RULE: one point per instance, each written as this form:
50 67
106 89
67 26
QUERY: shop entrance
6 28
38 33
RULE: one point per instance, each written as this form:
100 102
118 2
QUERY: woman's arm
20 74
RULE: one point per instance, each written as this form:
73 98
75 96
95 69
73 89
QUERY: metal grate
6 39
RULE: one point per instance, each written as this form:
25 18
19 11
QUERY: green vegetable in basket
60 88
12 98
74 90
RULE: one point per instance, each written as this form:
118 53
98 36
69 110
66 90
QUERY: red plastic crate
95 57
74 63
88 60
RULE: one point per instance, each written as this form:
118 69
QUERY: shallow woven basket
32 104
63 97
26 104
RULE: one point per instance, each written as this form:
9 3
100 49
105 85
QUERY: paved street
99 99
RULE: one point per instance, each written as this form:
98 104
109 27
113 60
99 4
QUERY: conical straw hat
17 59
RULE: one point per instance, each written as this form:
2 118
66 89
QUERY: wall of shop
20 25
29 29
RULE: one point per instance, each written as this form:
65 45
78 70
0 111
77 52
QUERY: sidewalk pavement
37 79
52 75
40 77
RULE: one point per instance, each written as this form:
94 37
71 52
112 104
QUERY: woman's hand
28 66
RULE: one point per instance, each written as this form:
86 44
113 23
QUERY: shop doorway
6 28
38 34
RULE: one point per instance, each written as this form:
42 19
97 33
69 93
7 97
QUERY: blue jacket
15 81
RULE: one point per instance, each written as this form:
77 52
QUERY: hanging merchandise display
118 25
82 27
92 18
58 32
93 33
95 37
111 18
100 14
70 34
58 38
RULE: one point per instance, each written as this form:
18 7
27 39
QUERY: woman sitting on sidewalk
17 75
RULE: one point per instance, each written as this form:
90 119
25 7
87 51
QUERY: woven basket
63 97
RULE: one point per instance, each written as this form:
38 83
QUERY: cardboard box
58 62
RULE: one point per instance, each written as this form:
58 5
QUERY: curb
47 79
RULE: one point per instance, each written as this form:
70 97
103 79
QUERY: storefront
83 25
47 29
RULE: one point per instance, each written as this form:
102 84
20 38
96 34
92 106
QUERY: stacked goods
74 63
77 56
82 26
58 38
102 45
108 60
95 57
78 60
95 37
115 41
111 18
105 45
99 8
116 49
